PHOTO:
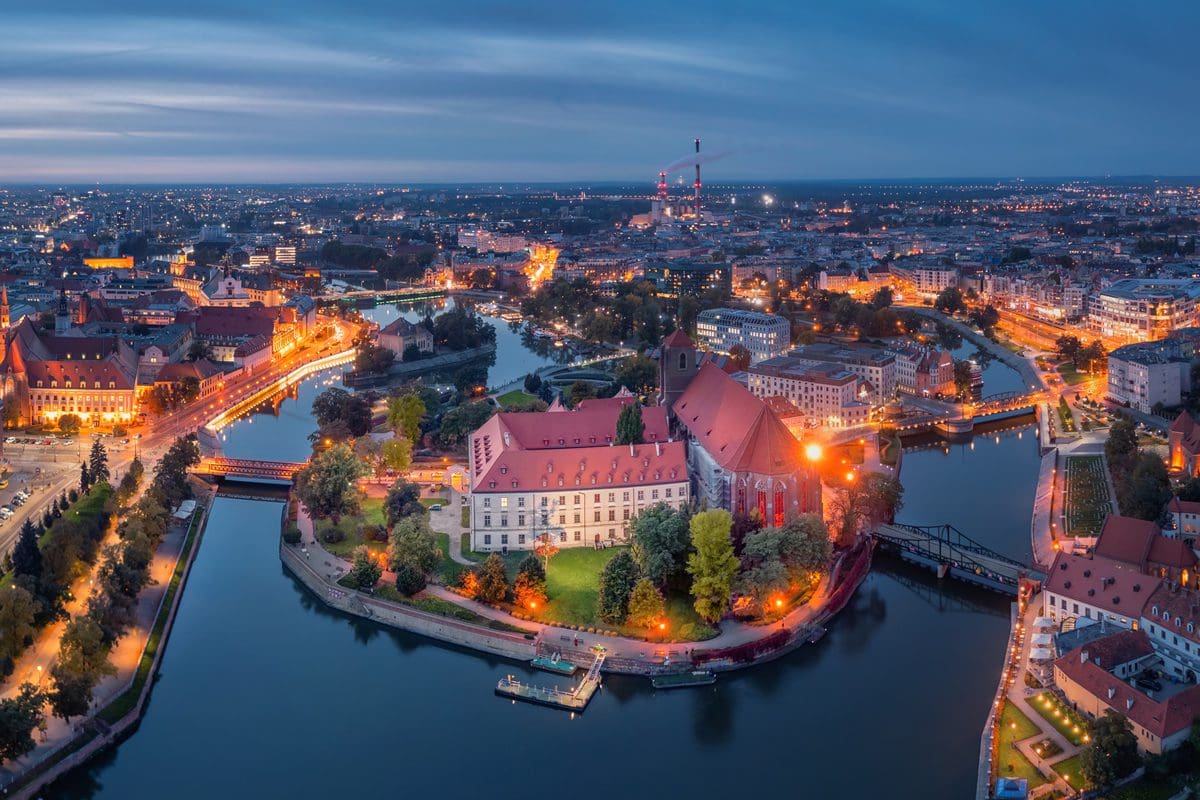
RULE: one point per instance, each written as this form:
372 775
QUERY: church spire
5 312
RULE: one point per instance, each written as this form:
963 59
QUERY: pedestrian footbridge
951 553
239 469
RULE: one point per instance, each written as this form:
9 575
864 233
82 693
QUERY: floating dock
574 699
556 664
681 680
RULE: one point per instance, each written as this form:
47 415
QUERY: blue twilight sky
563 90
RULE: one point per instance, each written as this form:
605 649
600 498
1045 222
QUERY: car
17 501
10 440
1149 684
436 507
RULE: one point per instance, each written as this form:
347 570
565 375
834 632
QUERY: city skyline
300 93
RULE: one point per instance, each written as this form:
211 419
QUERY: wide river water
264 693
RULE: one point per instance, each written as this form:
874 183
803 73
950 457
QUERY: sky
393 91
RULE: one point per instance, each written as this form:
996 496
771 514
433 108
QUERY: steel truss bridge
239 469
951 553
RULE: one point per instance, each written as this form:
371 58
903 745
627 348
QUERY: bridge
954 419
950 552
382 295
239 469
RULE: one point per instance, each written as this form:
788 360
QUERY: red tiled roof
1113 586
1169 603
1141 543
1162 718
678 339
584 468
1183 506
1120 648
735 427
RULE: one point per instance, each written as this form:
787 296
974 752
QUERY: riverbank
1022 365
409 369
126 693
737 646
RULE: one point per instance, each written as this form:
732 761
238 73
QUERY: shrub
291 534
409 579
333 535
375 533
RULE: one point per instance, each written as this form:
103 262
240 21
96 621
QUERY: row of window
82 385
577 499
562 518
576 536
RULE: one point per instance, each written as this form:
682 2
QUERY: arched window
779 505
683 360
762 504
739 506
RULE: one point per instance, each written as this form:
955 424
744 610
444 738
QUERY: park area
1011 762
572 591
1087 499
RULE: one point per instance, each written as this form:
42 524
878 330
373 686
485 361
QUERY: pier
574 699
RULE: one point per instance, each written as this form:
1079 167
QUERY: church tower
62 319
5 323
678 363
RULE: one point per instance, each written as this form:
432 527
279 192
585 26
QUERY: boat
680 680
542 333
511 316
556 664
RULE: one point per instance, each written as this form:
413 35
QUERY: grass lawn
1072 376
1010 762
1067 721
1087 499
1072 770
516 397
371 513
449 570
1145 789
572 585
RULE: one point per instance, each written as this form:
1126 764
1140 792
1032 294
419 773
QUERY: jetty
573 699
554 663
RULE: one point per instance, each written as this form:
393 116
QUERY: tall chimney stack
662 186
696 200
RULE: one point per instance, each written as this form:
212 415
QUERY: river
266 693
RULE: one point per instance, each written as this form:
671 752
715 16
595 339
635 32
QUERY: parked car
436 507
1150 684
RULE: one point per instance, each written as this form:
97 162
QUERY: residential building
1143 310
874 365
828 394
1183 445
400 334
763 335
923 371
1146 375
681 279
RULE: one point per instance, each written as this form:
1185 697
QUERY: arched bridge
249 470
950 552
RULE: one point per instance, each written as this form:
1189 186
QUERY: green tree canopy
493 580
365 571
18 609
713 564
413 543
405 414
630 427
646 606
661 539
403 499
617 580
20 716
1111 752
326 485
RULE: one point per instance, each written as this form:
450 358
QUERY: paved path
449 521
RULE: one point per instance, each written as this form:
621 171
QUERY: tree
72 693
409 579
326 485
396 453
630 427
713 564
1146 489
646 606
763 574
804 546
862 504
950 300
661 539
69 424
1111 752
545 549
962 378
617 580
373 359
1121 446
336 405
1067 346
533 382
365 571
471 378
19 717
83 649
27 556
98 462
85 477
882 298
529 589
461 421
578 392
405 414
403 499
413 543
1087 356
198 350
18 608
741 356
493 581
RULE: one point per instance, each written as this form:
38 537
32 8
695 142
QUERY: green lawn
1064 415
572 586
1072 376
1067 721
1145 789
1071 769
1087 499
371 513
449 570
1010 762
516 397
436 605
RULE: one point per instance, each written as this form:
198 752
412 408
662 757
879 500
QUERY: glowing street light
813 452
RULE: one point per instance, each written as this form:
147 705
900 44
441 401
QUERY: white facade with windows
764 335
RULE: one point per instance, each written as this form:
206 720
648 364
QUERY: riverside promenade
320 571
